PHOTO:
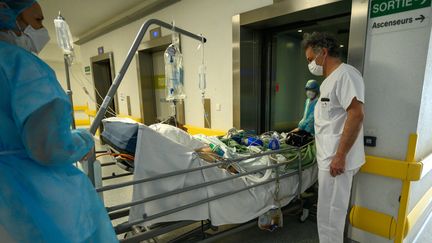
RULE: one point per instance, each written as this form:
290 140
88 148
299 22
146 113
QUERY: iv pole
65 43
67 61
89 164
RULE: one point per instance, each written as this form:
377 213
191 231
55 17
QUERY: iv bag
202 81
174 71
64 36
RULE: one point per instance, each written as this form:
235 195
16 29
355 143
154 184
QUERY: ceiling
84 15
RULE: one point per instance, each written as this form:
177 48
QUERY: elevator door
289 71
103 81
151 73
163 110
291 74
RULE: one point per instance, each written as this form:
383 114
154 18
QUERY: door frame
144 54
240 23
104 57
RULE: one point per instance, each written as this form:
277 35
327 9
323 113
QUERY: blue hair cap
9 10
312 85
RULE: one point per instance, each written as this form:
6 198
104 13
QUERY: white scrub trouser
333 199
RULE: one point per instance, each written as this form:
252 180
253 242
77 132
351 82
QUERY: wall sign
159 81
87 70
155 33
101 50
397 15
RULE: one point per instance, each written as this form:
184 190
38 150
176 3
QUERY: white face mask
39 38
22 41
310 94
316 69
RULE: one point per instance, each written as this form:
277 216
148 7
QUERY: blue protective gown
43 196
307 123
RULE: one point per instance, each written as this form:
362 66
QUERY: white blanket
157 155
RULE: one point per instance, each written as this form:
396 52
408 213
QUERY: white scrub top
337 92
177 135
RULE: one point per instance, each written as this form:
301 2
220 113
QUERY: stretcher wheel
304 215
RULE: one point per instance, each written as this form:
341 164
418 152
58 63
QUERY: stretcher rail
122 210
122 228
180 172
114 176
194 187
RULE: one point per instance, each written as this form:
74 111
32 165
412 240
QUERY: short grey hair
319 40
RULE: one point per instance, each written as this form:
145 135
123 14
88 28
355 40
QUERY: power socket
370 141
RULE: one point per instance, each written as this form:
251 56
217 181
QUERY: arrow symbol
421 18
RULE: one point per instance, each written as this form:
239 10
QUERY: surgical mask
311 94
32 39
22 41
38 37
316 69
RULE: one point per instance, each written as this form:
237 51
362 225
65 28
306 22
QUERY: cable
86 91
202 82
90 97
83 86
127 156
205 113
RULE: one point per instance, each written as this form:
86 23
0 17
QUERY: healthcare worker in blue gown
306 125
43 197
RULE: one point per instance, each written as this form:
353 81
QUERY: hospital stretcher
172 184
155 207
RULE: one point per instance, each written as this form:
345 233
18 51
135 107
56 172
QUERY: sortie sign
386 7
398 15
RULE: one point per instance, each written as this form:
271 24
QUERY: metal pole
118 79
69 88
130 56
153 233
300 173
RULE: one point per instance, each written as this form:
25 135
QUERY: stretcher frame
120 211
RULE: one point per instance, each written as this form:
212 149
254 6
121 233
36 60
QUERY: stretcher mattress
121 134
156 155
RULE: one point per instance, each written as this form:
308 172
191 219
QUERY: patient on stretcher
121 134
180 136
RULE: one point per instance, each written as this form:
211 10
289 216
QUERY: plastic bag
271 220
174 71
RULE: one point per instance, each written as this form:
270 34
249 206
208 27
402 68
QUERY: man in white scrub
338 132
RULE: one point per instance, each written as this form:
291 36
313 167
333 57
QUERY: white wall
425 119
394 75
52 55
211 18
424 143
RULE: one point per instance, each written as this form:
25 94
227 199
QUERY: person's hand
295 130
337 165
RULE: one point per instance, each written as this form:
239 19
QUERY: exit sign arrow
421 18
